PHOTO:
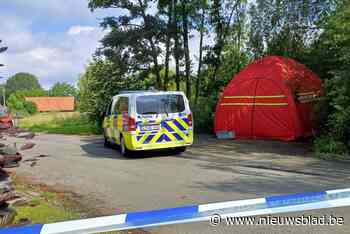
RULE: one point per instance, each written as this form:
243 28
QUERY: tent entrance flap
262 110
272 119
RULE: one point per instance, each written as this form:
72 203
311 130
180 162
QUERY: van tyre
107 144
123 150
180 150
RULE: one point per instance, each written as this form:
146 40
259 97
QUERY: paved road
210 171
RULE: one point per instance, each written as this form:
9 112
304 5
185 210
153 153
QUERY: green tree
285 27
330 57
201 22
177 45
63 89
185 34
21 81
32 92
100 82
166 7
228 21
134 42
17 103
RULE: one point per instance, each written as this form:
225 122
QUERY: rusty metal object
9 157
12 160
27 146
26 135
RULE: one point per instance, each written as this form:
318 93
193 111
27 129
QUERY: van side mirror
103 114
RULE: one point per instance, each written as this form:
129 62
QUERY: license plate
150 127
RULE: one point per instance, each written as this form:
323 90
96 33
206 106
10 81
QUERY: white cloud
54 39
78 29
50 55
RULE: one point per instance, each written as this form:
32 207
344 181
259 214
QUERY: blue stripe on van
166 138
160 138
186 121
148 139
167 127
178 137
163 137
177 124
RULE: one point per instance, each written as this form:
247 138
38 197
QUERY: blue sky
53 39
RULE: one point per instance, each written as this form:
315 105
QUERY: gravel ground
210 171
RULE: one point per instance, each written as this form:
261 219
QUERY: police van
148 120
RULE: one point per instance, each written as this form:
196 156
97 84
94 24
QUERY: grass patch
72 123
43 206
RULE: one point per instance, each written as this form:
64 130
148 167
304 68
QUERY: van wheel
180 150
107 144
123 150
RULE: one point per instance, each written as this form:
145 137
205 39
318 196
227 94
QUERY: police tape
193 213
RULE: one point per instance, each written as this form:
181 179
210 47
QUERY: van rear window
159 104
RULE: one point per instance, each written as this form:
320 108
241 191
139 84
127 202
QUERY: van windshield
157 104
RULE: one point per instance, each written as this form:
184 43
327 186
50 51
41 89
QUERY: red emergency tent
272 98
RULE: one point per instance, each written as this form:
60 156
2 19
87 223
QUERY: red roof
53 103
272 98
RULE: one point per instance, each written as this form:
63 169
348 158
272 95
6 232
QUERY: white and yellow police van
148 120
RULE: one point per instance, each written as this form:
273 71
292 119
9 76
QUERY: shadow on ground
95 148
269 185
261 165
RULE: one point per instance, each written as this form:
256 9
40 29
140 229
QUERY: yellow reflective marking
255 104
183 123
252 97
143 138
155 138
178 131
171 136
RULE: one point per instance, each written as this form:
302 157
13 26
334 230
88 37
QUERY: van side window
114 109
123 105
108 110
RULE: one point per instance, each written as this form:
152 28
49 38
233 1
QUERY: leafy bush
336 132
331 61
203 114
339 100
327 145
30 107
15 103
18 104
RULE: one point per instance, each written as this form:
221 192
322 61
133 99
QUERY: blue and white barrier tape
193 213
